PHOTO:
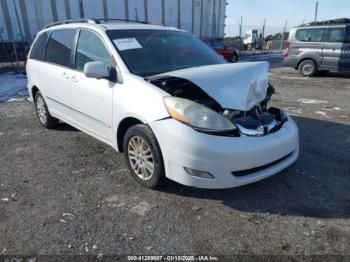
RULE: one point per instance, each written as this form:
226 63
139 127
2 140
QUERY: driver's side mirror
96 70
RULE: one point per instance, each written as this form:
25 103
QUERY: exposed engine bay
258 121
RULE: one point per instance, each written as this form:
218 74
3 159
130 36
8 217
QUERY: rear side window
38 49
60 46
336 35
310 35
218 44
90 48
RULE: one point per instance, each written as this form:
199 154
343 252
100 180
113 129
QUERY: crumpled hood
238 86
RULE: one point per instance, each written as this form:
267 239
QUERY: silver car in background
319 47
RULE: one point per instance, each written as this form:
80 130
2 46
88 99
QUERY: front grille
246 172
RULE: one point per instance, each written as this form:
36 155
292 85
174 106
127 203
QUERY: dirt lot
62 192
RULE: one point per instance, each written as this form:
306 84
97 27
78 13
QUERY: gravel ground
63 192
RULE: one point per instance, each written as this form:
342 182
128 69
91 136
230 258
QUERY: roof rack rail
99 20
340 21
71 21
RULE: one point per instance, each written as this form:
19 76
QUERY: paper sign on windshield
127 44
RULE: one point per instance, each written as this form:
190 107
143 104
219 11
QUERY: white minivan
173 106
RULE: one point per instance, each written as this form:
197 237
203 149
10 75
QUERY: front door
332 49
92 99
344 62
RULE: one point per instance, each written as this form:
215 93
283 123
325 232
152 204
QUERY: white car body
98 107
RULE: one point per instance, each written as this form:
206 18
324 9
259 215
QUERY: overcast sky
277 11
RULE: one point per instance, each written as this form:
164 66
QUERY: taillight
25 61
286 51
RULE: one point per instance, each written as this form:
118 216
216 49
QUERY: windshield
152 52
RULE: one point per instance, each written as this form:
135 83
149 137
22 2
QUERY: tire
42 112
234 59
141 149
307 68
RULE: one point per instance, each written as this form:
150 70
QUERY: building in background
20 20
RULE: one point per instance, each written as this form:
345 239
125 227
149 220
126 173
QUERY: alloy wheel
308 69
141 157
41 109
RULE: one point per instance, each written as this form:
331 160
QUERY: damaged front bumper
232 161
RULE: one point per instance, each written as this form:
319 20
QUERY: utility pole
240 24
316 11
282 36
263 34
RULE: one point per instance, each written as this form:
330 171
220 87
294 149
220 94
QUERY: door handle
74 79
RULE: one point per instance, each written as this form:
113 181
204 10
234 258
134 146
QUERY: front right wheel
143 156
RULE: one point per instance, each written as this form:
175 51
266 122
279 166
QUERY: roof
110 24
340 21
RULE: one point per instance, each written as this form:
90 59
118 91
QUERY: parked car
172 105
319 46
229 53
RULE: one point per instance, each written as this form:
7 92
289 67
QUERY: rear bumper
290 62
224 157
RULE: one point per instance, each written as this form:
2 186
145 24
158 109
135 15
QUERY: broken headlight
199 117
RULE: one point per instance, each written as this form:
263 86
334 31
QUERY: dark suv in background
229 53
319 46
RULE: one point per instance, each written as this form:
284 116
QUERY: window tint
60 46
90 48
38 49
336 35
310 35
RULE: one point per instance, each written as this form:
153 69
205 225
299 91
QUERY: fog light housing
198 173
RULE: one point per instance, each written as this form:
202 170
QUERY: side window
310 35
60 46
38 49
347 35
336 35
91 48
218 44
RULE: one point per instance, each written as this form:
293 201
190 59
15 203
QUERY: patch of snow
331 108
294 111
311 101
321 113
16 99
12 86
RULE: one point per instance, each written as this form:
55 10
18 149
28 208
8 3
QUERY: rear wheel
308 68
45 119
143 156
234 59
